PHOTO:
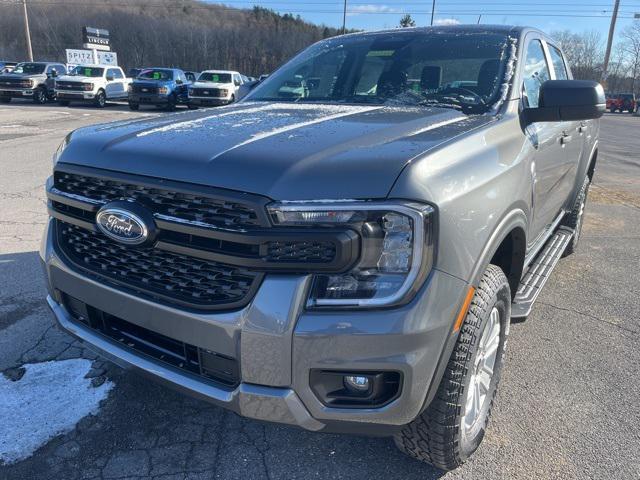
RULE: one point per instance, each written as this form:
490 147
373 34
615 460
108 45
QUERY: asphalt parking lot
568 405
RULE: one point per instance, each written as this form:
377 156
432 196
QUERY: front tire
101 99
452 427
63 103
40 96
134 106
5 99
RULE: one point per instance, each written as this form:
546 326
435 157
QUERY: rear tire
192 107
452 427
574 219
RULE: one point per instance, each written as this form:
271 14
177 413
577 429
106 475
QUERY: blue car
162 87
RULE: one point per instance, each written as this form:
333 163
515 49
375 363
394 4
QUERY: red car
621 102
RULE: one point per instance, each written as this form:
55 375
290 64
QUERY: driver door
550 157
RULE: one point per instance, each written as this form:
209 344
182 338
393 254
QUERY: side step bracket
539 272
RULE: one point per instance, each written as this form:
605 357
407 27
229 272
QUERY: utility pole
612 28
433 10
26 30
479 18
344 18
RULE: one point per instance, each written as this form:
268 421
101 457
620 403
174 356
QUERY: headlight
87 87
163 90
224 93
396 249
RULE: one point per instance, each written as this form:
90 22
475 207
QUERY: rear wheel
101 99
40 96
192 107
452 427
574 219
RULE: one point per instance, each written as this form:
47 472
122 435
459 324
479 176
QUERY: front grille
207 92
221 369
69 85
155 273
185 206
144 89
15 82
321 252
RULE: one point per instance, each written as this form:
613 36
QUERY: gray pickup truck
31 80
346 257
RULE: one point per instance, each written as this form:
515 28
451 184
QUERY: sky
548 15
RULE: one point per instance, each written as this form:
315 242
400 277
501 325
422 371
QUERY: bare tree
584 52
407 21
631 45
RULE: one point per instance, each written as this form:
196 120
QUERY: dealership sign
89 57
97 38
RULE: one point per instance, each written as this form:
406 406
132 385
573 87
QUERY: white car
215 87
92 84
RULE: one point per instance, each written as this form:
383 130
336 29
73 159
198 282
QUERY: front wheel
134 106
63 103
5 99
190 106
101 99
171 103
452 427
39 96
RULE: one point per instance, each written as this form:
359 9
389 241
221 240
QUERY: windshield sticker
87 72
156 75
215 78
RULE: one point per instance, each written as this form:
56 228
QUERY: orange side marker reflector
464 309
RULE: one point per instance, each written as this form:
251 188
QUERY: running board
539 272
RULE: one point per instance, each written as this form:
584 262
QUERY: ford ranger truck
95 84
348 260
214 87
162 87
31 80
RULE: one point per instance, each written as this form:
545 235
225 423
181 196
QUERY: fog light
357 383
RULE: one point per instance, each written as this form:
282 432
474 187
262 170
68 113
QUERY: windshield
461 70
30 68
215 77
156 74
87 71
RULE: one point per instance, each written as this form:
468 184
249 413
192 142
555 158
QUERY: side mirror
110 78
567 100
178 82
54 73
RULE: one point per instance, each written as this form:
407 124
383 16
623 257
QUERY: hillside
185 33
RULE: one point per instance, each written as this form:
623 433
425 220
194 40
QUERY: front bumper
278 343
148 99
17 93
71 95
209 101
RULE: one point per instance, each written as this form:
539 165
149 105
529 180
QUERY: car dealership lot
567 405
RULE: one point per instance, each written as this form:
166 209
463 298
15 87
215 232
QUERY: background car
215 87
162 87
621 102
6 66
31 80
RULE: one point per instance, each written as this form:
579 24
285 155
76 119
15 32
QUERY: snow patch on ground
49 400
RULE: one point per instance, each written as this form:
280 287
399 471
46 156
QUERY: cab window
558 63
535 72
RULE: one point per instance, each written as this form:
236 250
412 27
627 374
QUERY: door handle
565 138
582 128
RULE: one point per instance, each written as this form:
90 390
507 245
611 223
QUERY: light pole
344 18
26 30
433 10
612 28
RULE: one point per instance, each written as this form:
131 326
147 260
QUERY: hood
212 85
284 151
152 83
77 78
22 75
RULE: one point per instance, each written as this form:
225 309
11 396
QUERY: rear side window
535 73
558 63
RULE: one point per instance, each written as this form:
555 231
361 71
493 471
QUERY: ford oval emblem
122 225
